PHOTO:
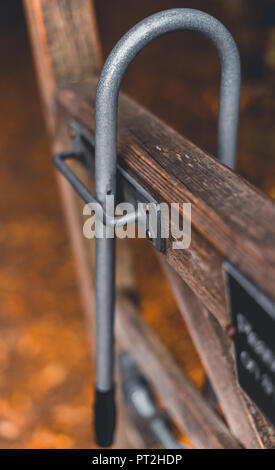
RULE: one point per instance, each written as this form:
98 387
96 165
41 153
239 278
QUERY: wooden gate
231 220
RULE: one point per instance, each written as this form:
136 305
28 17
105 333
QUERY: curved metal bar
106 143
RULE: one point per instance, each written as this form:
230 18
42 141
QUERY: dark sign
253 316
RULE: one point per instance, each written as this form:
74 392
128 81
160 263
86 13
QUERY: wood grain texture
215 350
72 39
65 44
46 79
183 401
67 49
67 36
230 218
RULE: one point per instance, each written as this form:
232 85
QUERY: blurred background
46 372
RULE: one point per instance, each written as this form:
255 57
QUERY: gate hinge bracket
82 150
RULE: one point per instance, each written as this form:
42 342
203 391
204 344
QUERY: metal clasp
82 150
106 167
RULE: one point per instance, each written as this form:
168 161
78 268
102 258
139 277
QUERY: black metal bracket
129 190
253 330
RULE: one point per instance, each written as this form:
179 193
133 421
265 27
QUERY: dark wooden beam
230 218
65 45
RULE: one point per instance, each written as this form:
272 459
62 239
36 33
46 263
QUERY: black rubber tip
105 417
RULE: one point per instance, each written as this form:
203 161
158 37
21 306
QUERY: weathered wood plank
66 49
230 218
182 400
72 40
214 348
67 37
65 45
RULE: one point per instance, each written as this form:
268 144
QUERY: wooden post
66 50
230 220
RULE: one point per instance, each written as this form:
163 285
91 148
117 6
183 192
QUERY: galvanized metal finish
82 150
106 143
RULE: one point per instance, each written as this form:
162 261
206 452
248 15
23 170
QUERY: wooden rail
230 218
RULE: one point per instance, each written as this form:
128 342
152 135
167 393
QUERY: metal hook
106 163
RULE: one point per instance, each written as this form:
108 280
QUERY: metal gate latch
82 150
107 170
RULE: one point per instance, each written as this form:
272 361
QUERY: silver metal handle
106 147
